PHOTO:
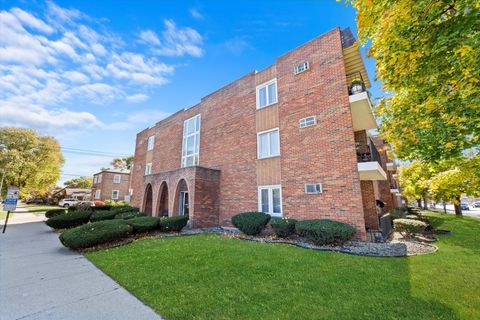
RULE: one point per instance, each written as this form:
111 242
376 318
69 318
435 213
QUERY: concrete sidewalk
40 279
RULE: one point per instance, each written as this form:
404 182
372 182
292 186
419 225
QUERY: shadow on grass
227 278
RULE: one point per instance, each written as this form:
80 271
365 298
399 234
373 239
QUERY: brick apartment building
290 140
111 185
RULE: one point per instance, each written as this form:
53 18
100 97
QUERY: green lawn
213 277
36 208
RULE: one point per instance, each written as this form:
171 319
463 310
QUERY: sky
95 73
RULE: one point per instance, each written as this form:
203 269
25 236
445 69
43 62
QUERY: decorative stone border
390 249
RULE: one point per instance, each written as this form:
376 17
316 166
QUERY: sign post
10 203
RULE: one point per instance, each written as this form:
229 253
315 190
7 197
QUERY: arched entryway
182 203
163 200
148 200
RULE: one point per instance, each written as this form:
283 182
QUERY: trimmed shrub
95 233
172 224
98 203
397 213
129 215
409 227
99 208
54 212
124 209
72 219
283 227
251 223
325 231
102 215
143 224
412 216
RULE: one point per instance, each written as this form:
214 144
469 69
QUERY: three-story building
290 140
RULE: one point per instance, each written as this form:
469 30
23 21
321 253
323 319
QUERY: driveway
40 279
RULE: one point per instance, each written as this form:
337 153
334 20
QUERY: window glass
190 147
262 97
276 201
272 93
265 200
274 143
191 141
264 152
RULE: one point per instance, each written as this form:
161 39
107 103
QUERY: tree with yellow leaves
427 57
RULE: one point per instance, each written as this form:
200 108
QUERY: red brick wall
106 186
324 153
369 205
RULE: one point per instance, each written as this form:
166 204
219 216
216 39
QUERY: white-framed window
308 121
99 178
301 67
268 143
98 194
191 141
267 94
150 143
148 168
95 179
117 178
270 200
115 194
313 188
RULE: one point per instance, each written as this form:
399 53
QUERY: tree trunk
444 207
419 203
458 210
425 203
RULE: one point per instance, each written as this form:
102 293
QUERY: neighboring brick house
290 140
111 185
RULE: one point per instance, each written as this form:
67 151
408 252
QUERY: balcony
369 166
360 105
391 166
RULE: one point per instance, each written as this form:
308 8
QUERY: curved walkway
40 279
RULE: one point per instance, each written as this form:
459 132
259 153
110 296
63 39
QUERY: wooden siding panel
268 171
267 118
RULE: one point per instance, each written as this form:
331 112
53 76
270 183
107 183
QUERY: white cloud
76 77
237 45
60 57
196 14
179 41
49 121
135 98
139 118
31 21
149 37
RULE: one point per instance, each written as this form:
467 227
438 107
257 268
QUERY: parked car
464 206
35 201
476 204
67 202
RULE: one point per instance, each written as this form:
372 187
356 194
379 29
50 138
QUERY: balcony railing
367 152
355 83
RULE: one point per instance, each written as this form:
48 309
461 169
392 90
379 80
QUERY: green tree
462 178
122 163
30 161
427 56
415 181
81 183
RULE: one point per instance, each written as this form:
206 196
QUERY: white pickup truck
67 202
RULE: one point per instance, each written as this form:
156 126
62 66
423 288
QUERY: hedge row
54 212
321 232
94 233
72 219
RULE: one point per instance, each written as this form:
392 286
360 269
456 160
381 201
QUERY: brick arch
163 199
182 185
148 200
